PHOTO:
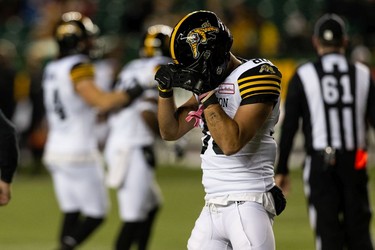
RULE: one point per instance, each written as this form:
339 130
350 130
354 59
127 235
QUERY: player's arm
259 89
293 111
172 123
371 104
9 152
82 76
151 120
148 114
232 134
289 127
9 157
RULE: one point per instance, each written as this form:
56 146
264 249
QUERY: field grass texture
31 220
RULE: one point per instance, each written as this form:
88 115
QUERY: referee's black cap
330 29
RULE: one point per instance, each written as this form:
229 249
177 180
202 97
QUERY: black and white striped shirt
336 101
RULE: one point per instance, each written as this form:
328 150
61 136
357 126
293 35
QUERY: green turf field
30 221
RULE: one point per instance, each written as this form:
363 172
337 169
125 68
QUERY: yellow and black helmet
201 42
155 41
72 29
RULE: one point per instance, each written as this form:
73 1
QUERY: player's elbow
230 149
167 136
230 152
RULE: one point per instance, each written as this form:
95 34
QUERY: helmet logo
199 36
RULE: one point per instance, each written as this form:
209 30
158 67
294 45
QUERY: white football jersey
70 119
252 168
127 128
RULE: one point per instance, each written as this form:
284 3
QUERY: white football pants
80 187
237 226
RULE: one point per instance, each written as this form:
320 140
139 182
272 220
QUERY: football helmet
73 31
155 41
201 43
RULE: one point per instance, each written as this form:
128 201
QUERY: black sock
86 228
128 235
136 233
145 231
69 224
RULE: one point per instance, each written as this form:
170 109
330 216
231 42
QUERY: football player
72 101
236 104
129 150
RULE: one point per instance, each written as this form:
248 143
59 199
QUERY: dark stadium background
277 29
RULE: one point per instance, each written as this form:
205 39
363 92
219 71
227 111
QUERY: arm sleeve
260 84
82 71
371 104
289 127
9 152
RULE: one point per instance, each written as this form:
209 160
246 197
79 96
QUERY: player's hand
283 181
164 76
132 93
135 91
5 193
171 75
188 80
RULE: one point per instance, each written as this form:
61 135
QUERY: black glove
172 75
133 93
164 77
188 80
279 199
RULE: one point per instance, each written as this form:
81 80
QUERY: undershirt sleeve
82 71
289 127
371 104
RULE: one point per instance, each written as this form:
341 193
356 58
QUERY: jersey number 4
58 105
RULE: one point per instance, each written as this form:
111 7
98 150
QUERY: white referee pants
237 226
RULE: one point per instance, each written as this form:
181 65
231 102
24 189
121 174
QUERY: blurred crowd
280 30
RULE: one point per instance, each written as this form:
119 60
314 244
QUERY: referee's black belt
323 151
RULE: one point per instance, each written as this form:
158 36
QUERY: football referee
336 102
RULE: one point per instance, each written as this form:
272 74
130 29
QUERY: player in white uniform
236 103
72 101
129 149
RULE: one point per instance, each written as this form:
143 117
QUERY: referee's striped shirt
336 101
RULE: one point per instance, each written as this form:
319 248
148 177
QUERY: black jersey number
215 147
330 88
58 105
260 60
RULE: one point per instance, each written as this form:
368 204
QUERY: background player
72 101
130 147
